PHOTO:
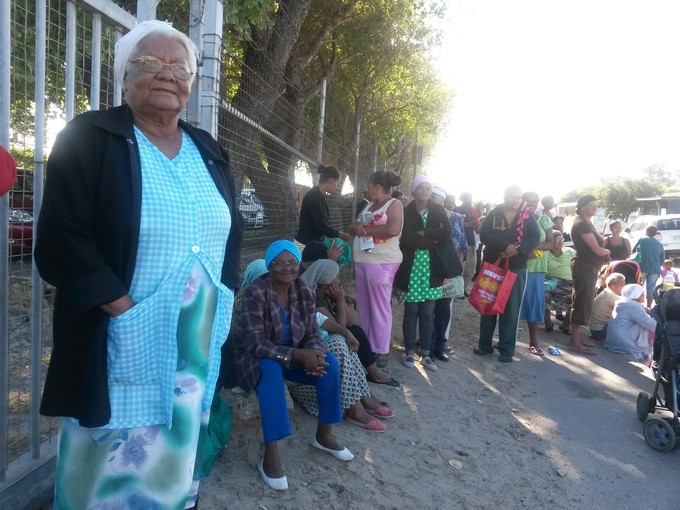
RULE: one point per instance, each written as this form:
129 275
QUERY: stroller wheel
644 406
659 434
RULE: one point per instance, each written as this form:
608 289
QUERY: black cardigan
496 235
438 230
86 246
314 216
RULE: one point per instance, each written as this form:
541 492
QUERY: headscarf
126 45
420 179
631 292
320 273
583 201
439 191
277 247
254 270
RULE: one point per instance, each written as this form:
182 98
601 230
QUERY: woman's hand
358 229
118 307
312 360
334 251
344 236
352 342
336 292
510 251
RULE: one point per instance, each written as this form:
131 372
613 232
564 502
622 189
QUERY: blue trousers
271 392
507 321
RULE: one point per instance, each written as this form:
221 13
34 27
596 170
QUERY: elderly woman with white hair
631 329
140 235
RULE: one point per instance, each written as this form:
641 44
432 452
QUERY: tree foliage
619 196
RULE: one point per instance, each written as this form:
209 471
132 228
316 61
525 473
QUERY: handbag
449 263
453 287
493 286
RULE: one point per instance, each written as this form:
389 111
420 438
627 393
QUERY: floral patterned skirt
148 467
353 383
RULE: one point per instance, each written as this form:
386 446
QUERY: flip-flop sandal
372 425
536 350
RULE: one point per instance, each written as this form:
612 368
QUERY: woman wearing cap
631 329
590 256
141 310
278 339
314 213
419 277
375 270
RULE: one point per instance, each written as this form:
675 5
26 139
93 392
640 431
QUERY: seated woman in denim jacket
278 339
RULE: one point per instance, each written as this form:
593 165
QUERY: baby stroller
628 268
558 296
663 433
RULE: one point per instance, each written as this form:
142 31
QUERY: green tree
619 197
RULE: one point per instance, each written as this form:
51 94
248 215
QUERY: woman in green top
419 276
533 301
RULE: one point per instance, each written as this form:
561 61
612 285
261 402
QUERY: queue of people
141 311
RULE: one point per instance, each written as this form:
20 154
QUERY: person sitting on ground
558 261
558 224
604 306
619 247
317 251
358 406
651 259
667 268
278 339
631 329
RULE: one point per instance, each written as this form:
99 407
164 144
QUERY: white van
668 232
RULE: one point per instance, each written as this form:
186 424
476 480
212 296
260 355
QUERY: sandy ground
541 432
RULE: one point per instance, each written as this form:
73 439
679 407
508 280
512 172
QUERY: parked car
668 234
251 209
20 232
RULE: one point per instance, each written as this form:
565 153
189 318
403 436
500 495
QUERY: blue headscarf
254 270
277 247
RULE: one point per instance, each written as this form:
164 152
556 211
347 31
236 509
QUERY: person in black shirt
314 212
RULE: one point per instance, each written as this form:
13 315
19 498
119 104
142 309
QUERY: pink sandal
372 425
381 412
536 350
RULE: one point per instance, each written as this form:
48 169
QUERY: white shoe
278 484
343 454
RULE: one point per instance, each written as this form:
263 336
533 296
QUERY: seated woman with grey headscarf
631 329
359 407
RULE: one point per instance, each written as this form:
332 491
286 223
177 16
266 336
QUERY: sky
552 95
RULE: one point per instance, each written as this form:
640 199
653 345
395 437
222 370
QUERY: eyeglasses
280 265
154 65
